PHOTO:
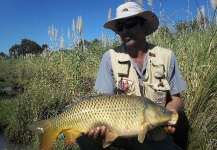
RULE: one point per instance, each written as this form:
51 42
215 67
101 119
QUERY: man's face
131 31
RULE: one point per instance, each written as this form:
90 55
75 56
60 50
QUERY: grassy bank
51 82
11 76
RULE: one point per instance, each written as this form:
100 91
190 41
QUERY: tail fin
45 129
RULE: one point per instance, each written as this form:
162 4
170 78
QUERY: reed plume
150 3
79 25
140 2
49 31
52 31
62 41
109 14
73 25
69 35
56 34
214 4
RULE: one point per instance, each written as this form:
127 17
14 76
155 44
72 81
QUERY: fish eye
164 110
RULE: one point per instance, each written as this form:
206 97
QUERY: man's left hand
170 129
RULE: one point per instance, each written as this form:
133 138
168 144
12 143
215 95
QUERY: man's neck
138 54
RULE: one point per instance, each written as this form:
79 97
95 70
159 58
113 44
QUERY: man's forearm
176 104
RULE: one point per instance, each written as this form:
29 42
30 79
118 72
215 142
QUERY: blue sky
31 18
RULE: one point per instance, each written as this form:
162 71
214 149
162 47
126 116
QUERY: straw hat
132 9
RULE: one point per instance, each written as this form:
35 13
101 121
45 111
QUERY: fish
124 116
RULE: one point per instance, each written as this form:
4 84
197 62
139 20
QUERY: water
5 96
7 89
5 145
3 141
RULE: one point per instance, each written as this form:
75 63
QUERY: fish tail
46 131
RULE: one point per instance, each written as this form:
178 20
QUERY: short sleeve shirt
105 82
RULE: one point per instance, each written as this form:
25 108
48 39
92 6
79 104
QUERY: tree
2 55
44 46
26 47
13 51
29 47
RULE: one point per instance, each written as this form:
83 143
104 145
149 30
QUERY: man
138 68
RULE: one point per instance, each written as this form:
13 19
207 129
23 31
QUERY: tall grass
201 104
197 57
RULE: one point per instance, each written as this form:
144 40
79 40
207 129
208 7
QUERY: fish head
158 115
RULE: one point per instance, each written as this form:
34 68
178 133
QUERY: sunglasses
128 24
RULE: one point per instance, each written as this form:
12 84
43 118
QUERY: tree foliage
26 47
2 54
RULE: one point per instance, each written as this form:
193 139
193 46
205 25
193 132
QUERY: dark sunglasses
128 24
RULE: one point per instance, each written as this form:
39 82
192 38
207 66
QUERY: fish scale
102 110
124 116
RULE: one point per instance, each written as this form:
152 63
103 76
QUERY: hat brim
152 19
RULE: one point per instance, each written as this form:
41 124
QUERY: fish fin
142 133
71 136
109 138
46 131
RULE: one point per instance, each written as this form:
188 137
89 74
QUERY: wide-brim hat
132 9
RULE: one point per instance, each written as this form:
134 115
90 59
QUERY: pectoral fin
109 138
142 133
70 136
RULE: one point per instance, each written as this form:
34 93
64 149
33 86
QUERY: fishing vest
155 84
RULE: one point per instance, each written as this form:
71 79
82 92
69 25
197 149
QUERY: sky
31 19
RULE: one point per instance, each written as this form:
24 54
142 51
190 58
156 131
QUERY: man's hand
170 129
175 105
99 131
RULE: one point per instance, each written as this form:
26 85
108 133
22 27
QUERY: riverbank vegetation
48 83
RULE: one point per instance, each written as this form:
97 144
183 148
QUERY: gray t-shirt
105 82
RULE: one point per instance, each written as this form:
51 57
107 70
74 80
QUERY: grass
5 78
5 111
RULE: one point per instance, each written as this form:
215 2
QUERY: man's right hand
99 131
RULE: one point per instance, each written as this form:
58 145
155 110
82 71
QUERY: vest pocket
158 68
155 83
125 86
158 97
158 80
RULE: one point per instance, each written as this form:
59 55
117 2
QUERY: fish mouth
174 119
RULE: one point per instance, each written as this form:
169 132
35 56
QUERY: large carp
124 116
